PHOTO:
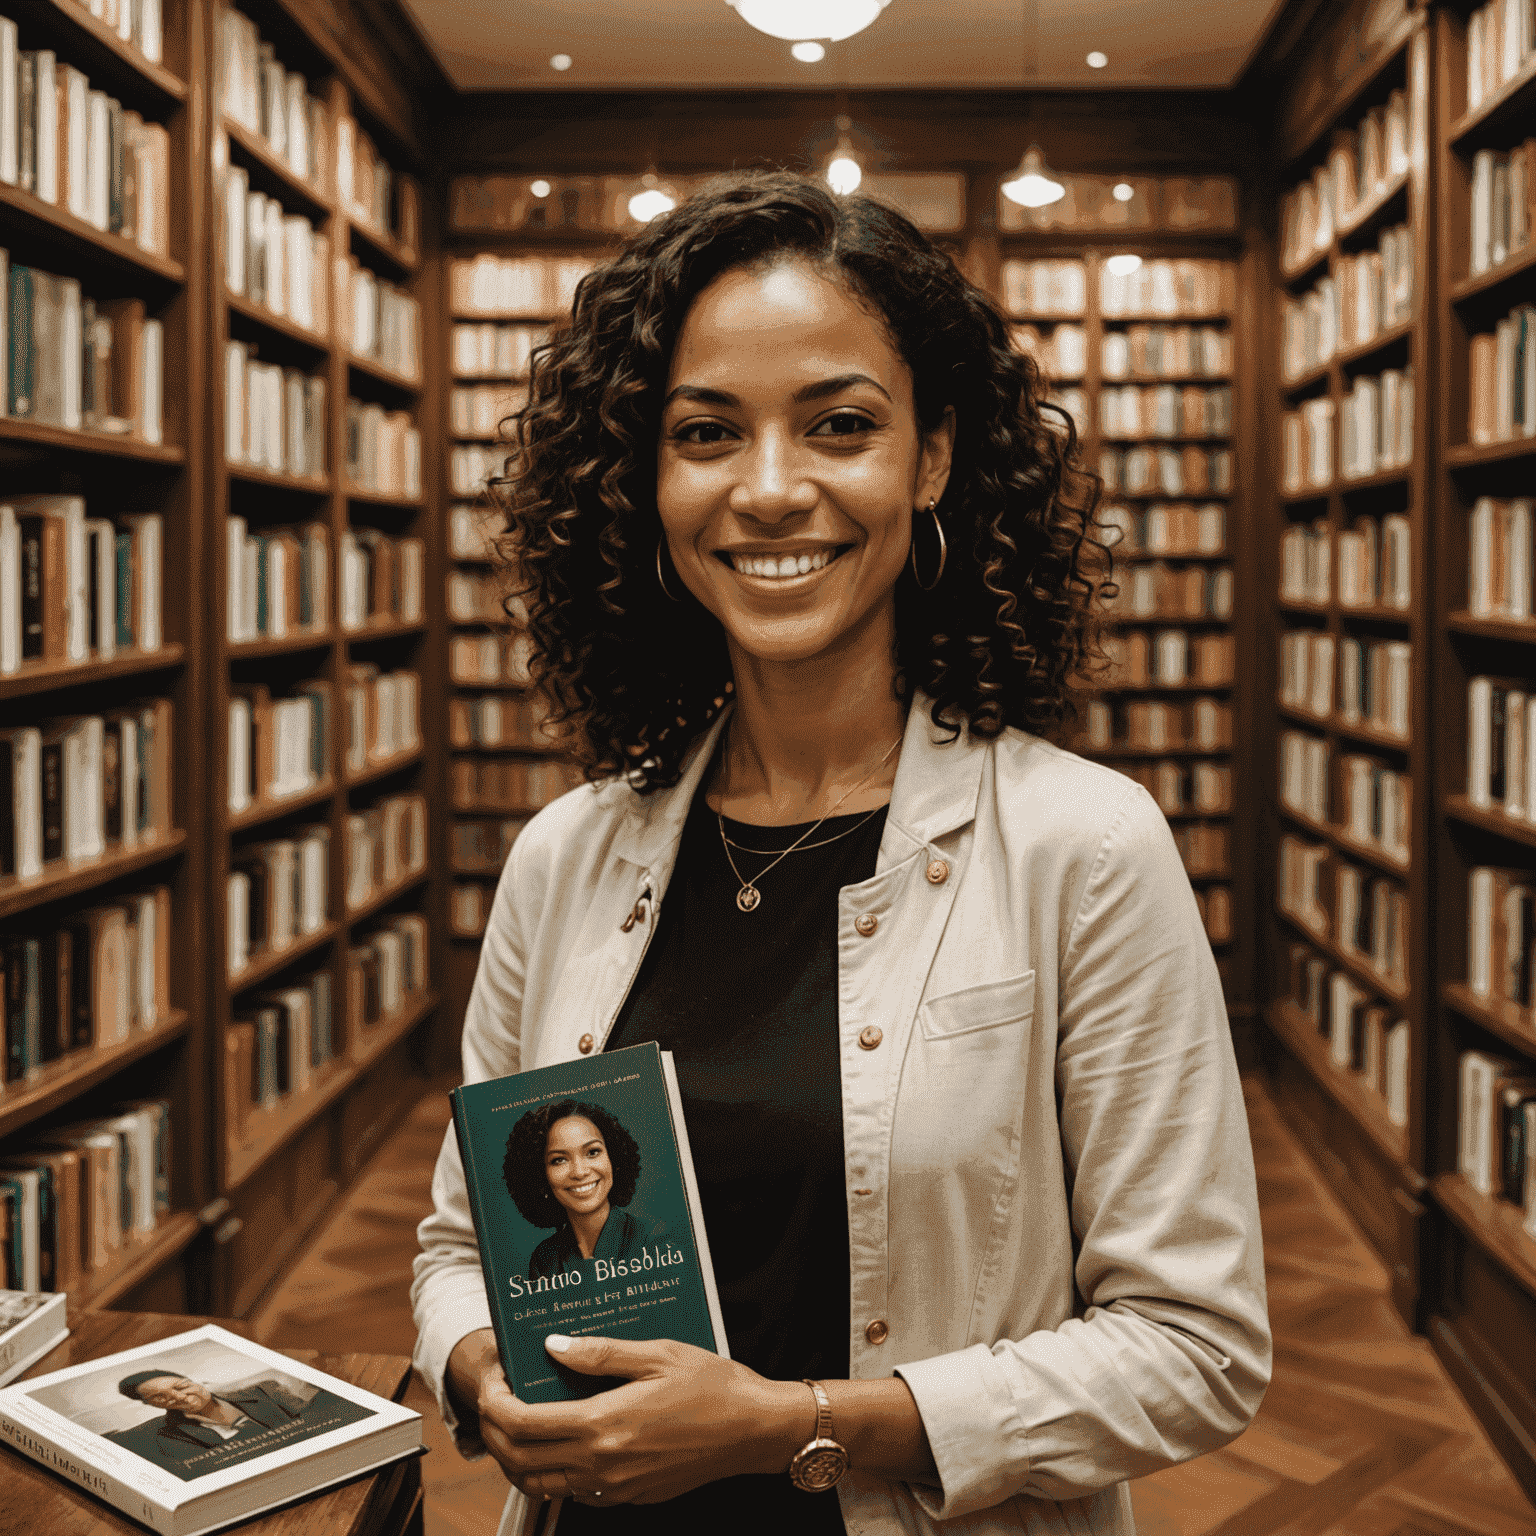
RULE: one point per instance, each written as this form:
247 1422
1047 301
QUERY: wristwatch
821 1461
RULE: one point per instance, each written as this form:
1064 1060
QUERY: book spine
26 1435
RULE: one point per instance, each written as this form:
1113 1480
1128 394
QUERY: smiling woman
810 574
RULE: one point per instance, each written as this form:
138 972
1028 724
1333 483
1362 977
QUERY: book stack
476 659
274 417
1306 562
1045 287
382 579
75 588
1364 296
1366 164
1176 351
277 581
1499 41
1373 684
1501 747
1179 288
1304 774
1378 805
1164 410
383 715
1170 658
525 287
1503 205
1307 447
278 746
1374 563
379 322
490 351
268 101
479 411
383 450
385 844
276 259
78 363
1163 529
87 983
277 892
1499 558
81 1194
1306 671
1376 426
79 787
481 847
1163 591
1061 350
278 1044
79 149
1496 1131
371 193
1502 389
384 972
1201 725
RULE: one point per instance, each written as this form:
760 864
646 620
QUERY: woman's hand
683 1417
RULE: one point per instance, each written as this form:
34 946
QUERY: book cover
31 1323
202 1429
582 1188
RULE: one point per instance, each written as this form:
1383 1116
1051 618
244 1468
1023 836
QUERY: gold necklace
749 898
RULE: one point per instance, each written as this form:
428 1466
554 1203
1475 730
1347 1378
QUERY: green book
587 1211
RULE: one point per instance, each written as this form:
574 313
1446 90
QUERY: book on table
202 1429
584 1199
31 1323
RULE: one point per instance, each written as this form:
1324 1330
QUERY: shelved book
527 286
1502 383
1501 732
1499 563
623 1254
148 1430
1496 1131
31 1323
278 1044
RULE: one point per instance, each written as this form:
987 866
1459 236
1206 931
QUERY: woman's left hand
683 1417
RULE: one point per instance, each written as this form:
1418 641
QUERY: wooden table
383 1503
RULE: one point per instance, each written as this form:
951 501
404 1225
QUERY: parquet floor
1361 1434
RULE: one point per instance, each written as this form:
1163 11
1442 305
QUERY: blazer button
877 1332
870 1036
938 872
585 1044
866 923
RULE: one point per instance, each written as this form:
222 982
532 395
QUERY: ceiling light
1097 60
540 188
808 52
844 173
1031 186
798 20
1124 191
654 201
1123 266
561 61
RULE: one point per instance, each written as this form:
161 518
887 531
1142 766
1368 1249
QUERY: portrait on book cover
573 1167
199 1408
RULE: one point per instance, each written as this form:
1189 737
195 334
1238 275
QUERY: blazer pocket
988 1006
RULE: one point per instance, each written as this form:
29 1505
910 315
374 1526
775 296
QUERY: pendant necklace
749 898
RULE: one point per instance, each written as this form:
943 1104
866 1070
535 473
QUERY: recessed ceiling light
561 61
1124 191
1123 266
808 53
540 188
1097 60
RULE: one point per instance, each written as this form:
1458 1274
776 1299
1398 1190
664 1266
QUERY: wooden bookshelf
114 472
1482 1312
1332 80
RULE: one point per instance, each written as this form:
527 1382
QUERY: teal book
585 1204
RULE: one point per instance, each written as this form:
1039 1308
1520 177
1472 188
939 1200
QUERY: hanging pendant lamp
1031 185
800 20
844 173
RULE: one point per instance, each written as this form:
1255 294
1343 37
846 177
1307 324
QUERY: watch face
818 1466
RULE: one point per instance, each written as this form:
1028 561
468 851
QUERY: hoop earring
938 575
662 580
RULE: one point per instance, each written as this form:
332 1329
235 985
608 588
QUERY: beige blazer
1052 1219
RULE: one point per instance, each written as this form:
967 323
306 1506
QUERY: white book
153 383
236 449
148 560
70 510
76 1422
76 150
150 38
237 920
70 338
47 120
236 623
26 808
1482 210
278 618
236 193
83 831
146 917
10 591
1480 893
102 546
10 167
1480 557
1479 738
239 754
313 878
98 165
31 1324
1396 1072
1479 1074
128 761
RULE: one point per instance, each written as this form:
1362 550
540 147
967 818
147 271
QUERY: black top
747 1004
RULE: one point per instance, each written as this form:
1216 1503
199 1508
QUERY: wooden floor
1361 1434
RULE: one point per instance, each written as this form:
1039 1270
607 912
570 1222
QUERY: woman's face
790 461
576 1165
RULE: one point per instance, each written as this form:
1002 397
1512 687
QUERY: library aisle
1361 1433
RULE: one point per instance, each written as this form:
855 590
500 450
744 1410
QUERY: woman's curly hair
1004 639
523 1166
